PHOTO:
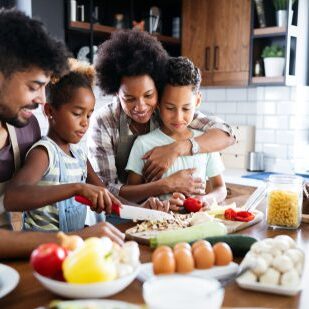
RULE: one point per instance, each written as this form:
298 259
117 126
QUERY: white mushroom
248 277
260 266
267 257
271 276
268 241
281 244
276 252
130 253
295 255
123 270
288 239
290 278
260 247
282 263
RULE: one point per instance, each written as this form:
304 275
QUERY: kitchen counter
234 176
30 294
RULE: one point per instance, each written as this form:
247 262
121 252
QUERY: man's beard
15 121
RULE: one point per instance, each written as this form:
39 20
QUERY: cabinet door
196 40
231 41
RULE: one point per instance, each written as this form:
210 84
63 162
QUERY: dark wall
51 13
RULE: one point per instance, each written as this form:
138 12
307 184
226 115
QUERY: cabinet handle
216 58
207 55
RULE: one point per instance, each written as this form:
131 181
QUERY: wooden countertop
30 294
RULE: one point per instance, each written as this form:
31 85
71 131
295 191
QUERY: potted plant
281 7
273 60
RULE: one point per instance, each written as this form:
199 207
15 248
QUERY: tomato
192 204
47 260
230 214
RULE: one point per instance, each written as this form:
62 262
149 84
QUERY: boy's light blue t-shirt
206 164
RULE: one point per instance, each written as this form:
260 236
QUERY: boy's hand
156 204
100 197
176 201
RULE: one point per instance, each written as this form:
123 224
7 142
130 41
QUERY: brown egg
201 242
184 260
164 262
161 248
182 245
223 254
204 257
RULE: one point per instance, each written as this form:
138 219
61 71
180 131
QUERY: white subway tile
252 94
298 122
236 119
266 108
269 163
251 120
208 108
246 108
285 137
277 93
265 136
258 147
259 121
260 93
300 93
271 122
227 108
236 94
276 151
215 94
286 108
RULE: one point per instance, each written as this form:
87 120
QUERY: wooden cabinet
216 36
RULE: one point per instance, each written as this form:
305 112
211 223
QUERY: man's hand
158 160
156 204
184 182
104 229
176 201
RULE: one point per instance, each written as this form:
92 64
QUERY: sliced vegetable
189 234
234 215
192 204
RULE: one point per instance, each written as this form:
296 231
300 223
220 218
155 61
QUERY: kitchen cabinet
216 36
293 38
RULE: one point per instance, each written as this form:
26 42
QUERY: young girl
179 100
55 170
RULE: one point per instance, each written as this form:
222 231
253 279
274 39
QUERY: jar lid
285 179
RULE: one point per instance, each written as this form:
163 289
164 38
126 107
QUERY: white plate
97 304
90 290
9 278
216 272
273 289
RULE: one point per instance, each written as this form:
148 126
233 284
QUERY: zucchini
240 244
188 234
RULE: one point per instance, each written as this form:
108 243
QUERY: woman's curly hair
25 43
181 71
130 53
61 90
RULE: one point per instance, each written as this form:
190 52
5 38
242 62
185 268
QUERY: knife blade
132 212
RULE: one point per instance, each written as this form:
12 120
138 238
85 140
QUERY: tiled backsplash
280 115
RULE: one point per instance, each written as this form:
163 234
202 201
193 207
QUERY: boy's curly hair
25 43
61 90
130 53
181 71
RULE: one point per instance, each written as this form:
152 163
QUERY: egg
223 254
161 248
164 262
184 260
204 257
201 242
182 245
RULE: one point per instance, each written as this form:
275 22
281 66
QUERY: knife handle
115 209
83 200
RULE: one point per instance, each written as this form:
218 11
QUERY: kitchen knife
132 212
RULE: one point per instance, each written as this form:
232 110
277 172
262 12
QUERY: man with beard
28 59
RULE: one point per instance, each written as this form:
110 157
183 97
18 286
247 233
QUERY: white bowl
90 290
182 292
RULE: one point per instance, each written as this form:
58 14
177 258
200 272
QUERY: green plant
281 4
272 51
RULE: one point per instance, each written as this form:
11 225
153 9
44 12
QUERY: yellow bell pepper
90 263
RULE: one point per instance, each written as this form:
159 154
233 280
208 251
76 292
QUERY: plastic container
284 201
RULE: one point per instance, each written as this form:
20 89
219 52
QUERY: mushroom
282 263
290 278
271 276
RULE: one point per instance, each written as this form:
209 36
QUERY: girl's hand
176 201
156 204
206 200
100 197
183 181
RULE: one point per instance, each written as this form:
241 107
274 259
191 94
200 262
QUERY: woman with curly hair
131 66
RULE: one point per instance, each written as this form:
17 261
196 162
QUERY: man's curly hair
25 43
181 71
130 53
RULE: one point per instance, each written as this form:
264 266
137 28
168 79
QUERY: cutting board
232 227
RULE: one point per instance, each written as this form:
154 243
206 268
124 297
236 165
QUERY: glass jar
284 201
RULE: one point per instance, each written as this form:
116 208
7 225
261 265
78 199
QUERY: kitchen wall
280 115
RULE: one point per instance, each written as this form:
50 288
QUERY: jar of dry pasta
284 201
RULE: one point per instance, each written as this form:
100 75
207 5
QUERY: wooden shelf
77 25
262 80
269 32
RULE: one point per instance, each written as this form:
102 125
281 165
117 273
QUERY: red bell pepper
192 204
233 215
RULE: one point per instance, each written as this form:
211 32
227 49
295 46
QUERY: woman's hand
100 197
176 201
184 182
158 160
156 204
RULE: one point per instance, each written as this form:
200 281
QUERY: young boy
179 100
